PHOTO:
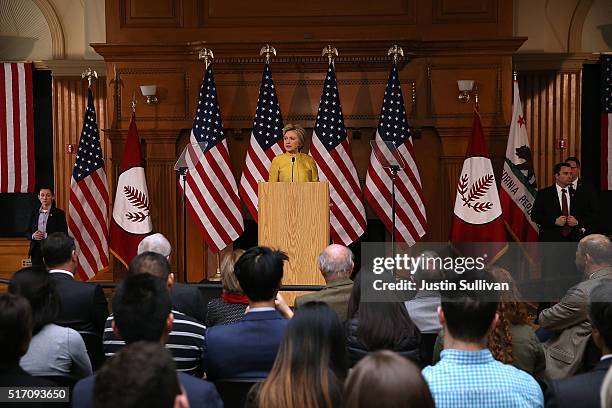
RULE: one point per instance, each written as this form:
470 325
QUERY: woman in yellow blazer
293 165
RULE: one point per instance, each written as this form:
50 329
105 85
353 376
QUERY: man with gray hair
568 319
336 265
185 298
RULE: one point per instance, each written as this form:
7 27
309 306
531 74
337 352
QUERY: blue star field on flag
330 122
393 126
207 126
268 123
89 154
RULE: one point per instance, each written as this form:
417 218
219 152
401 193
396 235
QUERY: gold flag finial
330 52
90 74
267 50
207 55
396 51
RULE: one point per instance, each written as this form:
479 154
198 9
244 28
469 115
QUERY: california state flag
518 183
477 214
131 214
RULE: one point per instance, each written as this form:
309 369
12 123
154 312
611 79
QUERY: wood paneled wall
444 40
551 104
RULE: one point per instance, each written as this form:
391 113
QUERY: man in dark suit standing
44 221
587 190
562 218
583 390
247 348
84 306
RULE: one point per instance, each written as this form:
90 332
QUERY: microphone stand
292 165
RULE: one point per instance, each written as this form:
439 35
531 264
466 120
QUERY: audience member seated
583 390
380 326
15 336
568 320
423 307
232 304
146 295
186 299
187 336
467 374
247 348
384 379
84 306
310 367
54 351
142 374
606 390
336 266
513 341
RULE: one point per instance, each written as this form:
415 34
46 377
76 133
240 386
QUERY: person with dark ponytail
310 366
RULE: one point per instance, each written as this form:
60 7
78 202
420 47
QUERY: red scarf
234 298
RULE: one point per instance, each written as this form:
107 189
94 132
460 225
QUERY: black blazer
188 299
579 391
546 209
84 306
55 223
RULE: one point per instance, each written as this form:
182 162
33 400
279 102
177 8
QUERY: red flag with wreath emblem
478 214
131 214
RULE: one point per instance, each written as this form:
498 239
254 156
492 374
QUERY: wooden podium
294 217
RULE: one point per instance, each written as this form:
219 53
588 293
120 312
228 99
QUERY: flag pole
395 50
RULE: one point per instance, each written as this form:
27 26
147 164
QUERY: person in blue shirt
467 375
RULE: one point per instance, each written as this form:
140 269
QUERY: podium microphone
292 165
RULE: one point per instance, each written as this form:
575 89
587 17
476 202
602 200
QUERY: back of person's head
469 313
57 249
155 243
260 272
384 379
311 362
15 327
336 261
151 263
597 247
141 374
430 269
141 308
38 288
511 311
381 325
228 277
600 312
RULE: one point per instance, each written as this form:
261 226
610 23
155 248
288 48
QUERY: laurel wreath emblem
139 200
476 191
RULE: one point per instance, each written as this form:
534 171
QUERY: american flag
88 208
330 149
606 122
16 129
266 142
411 221
211 191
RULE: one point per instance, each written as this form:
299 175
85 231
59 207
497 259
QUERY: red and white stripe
347 213
410 216
212 195
88 222
256 169
16 129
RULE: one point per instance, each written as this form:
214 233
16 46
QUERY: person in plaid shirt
467 374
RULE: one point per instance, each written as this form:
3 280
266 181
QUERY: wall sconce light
465 89
149 92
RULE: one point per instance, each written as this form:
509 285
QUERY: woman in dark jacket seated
232 304
376 326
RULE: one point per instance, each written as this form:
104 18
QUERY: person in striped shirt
186 339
